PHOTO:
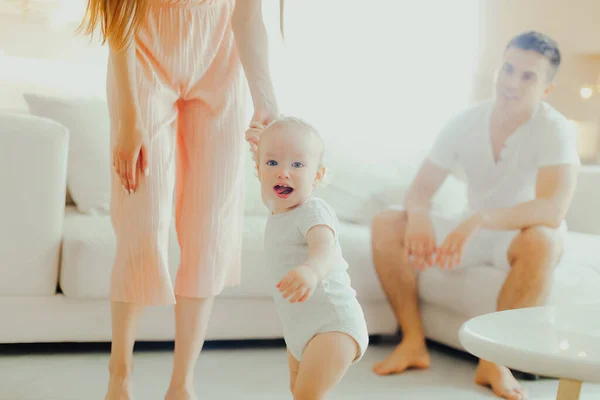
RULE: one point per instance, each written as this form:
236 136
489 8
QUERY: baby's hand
300 283
253 137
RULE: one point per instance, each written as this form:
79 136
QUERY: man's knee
387 229
537 243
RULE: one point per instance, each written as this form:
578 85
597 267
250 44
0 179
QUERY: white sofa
55 256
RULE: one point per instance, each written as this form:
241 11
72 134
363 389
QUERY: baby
323 323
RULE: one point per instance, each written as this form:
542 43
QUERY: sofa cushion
88 175
34 156
89 246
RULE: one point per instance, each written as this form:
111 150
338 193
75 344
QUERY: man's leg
533 254
399 281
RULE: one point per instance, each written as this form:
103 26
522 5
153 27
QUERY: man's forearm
425 185
253 47
546 212
417 203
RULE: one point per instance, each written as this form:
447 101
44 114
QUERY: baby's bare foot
119 388
406 355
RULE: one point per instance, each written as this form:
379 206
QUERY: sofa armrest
583 215
33 169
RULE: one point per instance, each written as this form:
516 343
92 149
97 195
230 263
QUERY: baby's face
289 166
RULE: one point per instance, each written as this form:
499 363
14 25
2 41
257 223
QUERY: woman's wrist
266 104
265 113
129 113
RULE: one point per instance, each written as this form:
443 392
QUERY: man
519 158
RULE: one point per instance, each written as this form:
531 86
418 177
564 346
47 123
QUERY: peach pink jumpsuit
191 97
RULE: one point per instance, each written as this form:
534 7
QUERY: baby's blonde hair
303 126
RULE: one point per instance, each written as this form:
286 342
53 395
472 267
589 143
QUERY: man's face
524 79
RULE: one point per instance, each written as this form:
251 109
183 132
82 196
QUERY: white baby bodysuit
333 306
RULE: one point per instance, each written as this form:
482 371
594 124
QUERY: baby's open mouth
283 191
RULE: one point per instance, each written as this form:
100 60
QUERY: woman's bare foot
119 388
500 379
180 393
408 354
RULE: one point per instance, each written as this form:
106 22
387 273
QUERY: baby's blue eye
271 163
297 165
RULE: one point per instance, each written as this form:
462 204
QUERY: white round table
559 342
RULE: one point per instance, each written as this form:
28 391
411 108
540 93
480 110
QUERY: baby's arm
321 250
301 282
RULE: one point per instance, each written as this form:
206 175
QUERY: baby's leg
294 366
324 362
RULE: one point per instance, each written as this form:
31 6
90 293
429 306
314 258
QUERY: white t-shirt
464 147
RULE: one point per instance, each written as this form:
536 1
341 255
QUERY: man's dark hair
541 44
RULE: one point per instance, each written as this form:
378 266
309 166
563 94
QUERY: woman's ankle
176 391
120 370
182 383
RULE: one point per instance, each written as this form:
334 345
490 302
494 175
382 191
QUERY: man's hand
419 240
300 283
450 252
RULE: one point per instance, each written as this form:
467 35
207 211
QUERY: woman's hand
259 122
130 157
266 115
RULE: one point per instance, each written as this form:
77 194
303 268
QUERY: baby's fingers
284 283
298 294
290 289
305 296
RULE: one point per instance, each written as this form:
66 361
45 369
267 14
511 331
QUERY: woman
175 88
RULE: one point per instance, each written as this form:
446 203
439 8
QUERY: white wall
35 56
55 59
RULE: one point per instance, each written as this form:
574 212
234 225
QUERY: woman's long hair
119 20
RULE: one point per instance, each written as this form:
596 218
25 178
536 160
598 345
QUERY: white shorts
487 247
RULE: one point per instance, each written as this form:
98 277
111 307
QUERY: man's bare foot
119 388
500 379
180 393
408 354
